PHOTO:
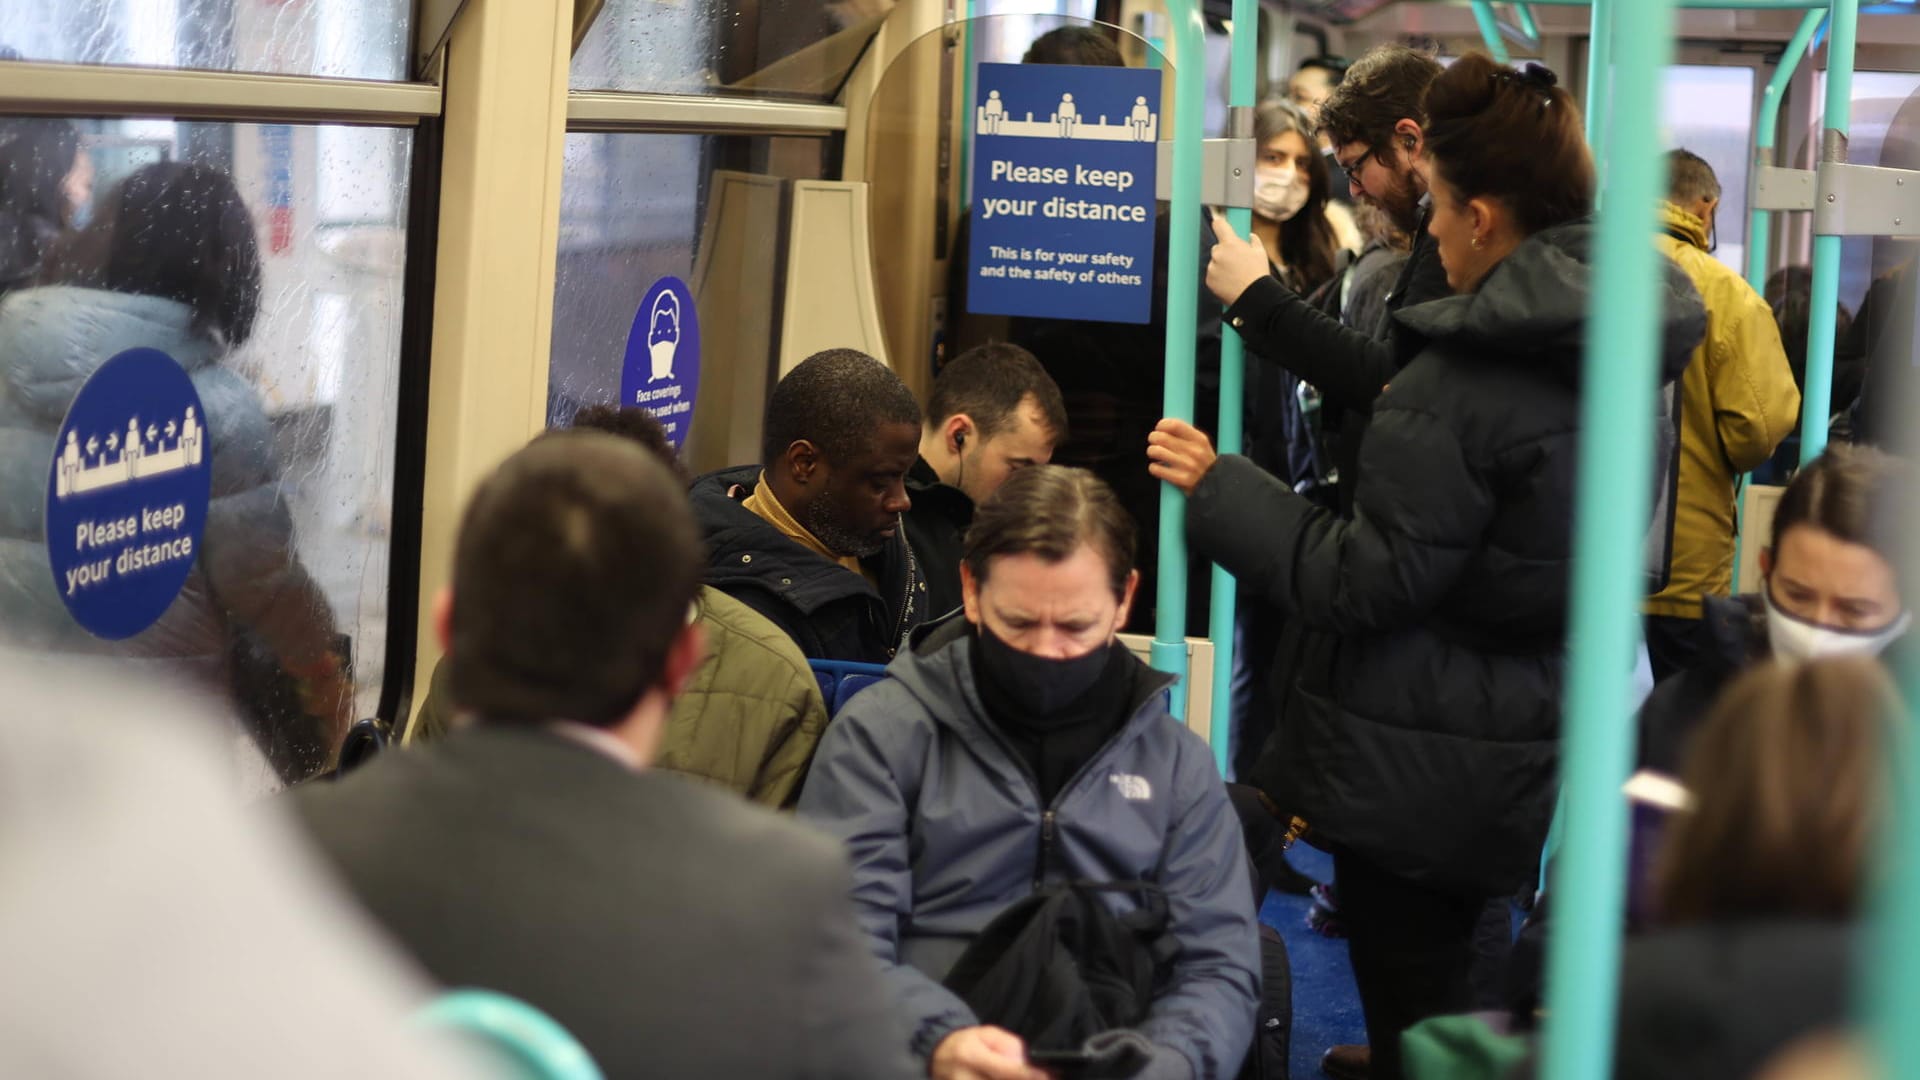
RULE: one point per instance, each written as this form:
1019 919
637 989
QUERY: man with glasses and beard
811 536
1374 120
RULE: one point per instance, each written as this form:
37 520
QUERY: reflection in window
801 49
285 306
350 39
1709 110
635 208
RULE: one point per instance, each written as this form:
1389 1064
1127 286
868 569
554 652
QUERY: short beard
842 541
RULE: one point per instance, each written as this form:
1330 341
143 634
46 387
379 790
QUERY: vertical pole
1618 388
965 155
1764 136
1183 322
1816 398
1241 78
1889 986
1528 25
1599 68
1490 31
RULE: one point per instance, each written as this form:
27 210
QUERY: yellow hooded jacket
1737 402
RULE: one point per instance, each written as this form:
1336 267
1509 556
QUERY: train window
637 207
1882 105
349 39
1709 110
792 49
276 282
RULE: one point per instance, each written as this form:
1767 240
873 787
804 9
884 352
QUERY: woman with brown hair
1418 735
1762 874
1828 588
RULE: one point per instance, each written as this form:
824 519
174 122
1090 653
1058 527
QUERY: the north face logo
1132 787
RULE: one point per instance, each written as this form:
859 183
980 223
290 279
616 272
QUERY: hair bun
1539 75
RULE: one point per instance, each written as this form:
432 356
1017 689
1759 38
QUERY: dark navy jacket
831 612
945 827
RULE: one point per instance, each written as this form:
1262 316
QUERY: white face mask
1279 191
1796 640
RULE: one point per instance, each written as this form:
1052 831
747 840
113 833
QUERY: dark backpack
1273 1024
1061 966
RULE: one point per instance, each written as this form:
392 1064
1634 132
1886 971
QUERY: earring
1478 243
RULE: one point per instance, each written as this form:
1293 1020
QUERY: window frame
100 92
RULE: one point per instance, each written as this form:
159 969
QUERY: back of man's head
1082 45
577 563
987 383
836 400
1690 180
636 425
1387 85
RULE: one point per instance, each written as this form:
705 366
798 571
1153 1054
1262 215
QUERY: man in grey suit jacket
676 931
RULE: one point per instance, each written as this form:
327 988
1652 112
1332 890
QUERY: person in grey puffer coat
1021 747
172 264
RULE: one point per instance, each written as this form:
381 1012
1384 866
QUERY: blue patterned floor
1326 1008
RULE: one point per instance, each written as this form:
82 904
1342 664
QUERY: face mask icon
663 336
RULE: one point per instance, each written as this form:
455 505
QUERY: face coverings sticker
661 372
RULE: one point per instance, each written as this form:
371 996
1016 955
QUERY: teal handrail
1490 31
1889 986
1599 69
1242 71
1528 25
1816 396
520 1040
1614 504
1183 326
1708 5
968 70
1764 136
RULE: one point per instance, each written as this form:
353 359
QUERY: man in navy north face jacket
946 828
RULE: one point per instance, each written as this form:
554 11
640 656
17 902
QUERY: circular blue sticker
662 369
127 495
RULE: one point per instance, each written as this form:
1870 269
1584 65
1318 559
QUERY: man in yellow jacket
1737 402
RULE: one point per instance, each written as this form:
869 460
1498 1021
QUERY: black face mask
1040 684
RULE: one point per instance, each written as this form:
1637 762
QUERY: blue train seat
841 679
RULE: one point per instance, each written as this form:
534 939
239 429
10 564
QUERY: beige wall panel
743 215
829 300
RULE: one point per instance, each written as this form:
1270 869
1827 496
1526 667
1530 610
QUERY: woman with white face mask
1292 218
1830 590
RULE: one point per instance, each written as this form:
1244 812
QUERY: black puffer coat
1422 729
828 610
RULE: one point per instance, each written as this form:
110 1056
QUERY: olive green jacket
748 720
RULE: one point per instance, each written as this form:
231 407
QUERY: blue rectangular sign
1063 192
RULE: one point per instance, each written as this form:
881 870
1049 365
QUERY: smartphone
1065 1064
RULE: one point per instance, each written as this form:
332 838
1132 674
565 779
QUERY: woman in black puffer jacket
1419 738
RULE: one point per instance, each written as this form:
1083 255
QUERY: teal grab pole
1528 25
1183 327
1599 65
1617 403
967 67
1764 135
1816 397
1242 70
1490 31
1889 984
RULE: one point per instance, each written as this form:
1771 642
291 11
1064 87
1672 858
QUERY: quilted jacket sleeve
1419 516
